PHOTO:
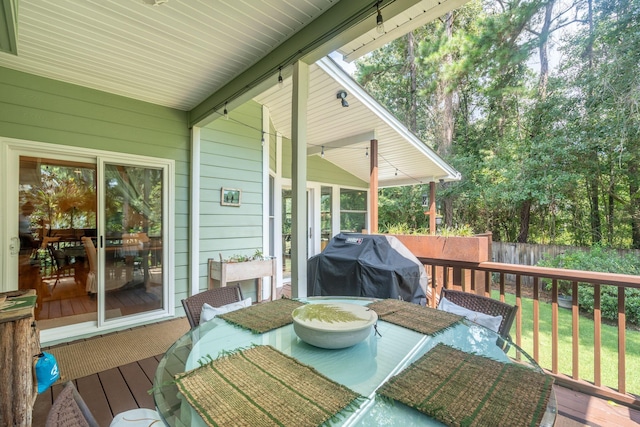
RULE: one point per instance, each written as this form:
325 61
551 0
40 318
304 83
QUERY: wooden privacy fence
530 254
495 275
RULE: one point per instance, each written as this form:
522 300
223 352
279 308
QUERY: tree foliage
543 98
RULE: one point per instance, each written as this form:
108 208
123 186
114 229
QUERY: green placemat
462 389
263 387
425 320
263 317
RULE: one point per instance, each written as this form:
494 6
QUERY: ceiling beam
341 23
9 26
344 142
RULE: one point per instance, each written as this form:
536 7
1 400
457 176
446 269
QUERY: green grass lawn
609 352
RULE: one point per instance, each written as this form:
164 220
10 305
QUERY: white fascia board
339 75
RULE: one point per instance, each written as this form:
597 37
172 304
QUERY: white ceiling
179 53
174 54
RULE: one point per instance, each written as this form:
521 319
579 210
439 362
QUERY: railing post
554 326
622 324
597 337
487 283
519 312
434 285
575 316
536 319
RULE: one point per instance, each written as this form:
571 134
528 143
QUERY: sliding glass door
133 236
89 233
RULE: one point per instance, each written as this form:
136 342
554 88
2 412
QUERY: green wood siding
231 157
38 109
273 147
320 170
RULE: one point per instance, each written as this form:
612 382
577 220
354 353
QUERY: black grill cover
366 265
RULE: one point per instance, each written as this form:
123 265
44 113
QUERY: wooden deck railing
490 275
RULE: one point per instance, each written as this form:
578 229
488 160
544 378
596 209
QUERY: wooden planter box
230 272
475 249
468 249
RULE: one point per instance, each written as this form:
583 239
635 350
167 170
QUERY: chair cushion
486 320
209 312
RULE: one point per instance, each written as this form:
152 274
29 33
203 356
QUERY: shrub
605 261
445 231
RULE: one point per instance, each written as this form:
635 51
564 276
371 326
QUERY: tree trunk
444 149
634 205
446 139
610 207
536 130
411 63
592 178
525 218
543 49
594 209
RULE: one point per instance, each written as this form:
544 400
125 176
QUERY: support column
299 180
194 215
432 208
373 187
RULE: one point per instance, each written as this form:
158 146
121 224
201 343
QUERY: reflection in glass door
133 227
57 214
287 207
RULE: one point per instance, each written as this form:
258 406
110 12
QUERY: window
353 210
325 216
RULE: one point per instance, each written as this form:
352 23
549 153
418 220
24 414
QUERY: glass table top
363 367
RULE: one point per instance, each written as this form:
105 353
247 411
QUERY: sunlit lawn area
609 362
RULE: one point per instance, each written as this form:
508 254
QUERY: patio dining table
363 368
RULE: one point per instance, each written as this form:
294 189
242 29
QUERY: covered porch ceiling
344 133
178 53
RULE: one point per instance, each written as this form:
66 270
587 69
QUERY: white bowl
333 325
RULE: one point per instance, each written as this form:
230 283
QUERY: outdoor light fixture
341 95
425 200
322 152
225 111
280 80
379 20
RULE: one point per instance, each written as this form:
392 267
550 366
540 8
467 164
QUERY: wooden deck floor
120 389
123 388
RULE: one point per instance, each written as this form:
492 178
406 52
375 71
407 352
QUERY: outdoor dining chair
92 256
216 297
484 305
70 410
61 262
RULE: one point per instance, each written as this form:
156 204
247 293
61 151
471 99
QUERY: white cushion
208 312
140 417
486 320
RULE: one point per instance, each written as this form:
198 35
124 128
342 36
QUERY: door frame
11 149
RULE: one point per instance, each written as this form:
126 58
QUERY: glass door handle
14 246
